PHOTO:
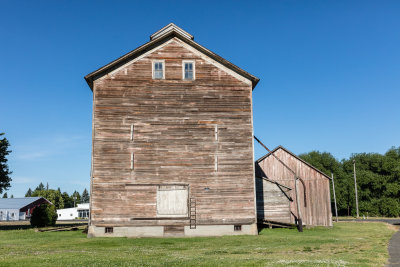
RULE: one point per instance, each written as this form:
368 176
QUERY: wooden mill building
172 142
276 195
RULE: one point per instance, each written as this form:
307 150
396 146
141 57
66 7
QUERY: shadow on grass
24 225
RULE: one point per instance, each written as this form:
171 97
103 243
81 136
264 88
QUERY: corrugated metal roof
16 203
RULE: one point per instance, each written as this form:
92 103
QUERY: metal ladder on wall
192 213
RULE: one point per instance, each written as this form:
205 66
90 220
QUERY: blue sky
329 70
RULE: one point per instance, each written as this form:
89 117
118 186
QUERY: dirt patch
393 227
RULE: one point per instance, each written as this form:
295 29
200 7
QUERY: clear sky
329 70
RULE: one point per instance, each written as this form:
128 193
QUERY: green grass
346 244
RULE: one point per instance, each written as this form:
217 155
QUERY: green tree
28 193
12 196
40 187
68 201
5 173
378 181
85 196
44 215
54 196
5 195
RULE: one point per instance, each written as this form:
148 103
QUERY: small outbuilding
16 209
277 189
81 212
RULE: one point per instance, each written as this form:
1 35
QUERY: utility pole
355 185
74 200
334 196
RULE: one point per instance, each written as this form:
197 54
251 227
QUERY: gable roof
294 155
17 203
161 36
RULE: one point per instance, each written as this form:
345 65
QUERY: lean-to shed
314 195
172 150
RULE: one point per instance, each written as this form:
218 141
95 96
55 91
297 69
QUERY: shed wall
10 215
272 203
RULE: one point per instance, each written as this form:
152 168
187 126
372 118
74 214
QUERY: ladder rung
192 214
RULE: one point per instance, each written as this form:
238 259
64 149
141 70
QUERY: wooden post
334 196
355 186
299 220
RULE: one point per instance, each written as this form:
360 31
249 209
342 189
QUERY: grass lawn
346 244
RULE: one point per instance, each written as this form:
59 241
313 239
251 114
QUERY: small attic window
188 70
158 69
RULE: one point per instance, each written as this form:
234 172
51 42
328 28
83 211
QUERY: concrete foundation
158 231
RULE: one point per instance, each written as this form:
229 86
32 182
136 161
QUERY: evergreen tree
28 193
12 196
5 195
5 173
85 196
40 187
68 201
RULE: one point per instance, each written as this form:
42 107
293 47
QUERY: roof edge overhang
168 28
36 201
91 77
294 155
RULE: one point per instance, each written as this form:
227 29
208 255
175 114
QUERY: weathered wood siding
173 141
318 210
272 204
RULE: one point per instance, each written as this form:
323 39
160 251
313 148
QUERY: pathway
394 250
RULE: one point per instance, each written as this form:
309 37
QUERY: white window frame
163 68
183 69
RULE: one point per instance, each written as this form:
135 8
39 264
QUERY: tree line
60 200
378 181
